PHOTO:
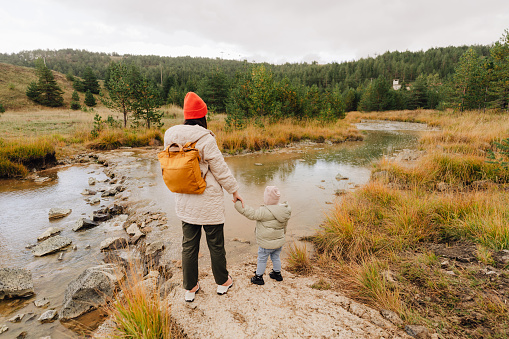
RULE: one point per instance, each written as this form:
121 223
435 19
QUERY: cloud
265 30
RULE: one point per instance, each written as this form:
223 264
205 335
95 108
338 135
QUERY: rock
61 256
48 316
258 164
15 283
450 273
57 213
51 245
95 201
340 191
17 318
41 302
444 264
22 335
83 224
113 243
340 177
98 216
92 289
3 329
392 317
135 233
91 181
49 233
417 331
88 191
154 248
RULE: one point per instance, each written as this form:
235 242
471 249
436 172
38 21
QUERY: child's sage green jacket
271 221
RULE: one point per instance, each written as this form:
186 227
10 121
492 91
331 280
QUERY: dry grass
298 259
138 311
263 135
375 241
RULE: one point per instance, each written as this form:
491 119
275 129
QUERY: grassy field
425 240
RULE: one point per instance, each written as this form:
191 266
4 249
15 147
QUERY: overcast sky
275 31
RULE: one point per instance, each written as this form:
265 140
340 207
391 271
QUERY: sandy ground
286 309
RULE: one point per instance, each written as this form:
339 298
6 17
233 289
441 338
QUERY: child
271 220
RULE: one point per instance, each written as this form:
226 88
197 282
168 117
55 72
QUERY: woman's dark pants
191 246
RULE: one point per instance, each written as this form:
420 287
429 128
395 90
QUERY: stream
308 175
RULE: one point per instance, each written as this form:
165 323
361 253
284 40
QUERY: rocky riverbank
292 308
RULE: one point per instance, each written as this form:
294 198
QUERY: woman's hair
200 122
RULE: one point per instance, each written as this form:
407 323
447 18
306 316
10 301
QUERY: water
306 176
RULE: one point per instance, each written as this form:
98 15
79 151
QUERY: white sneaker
189 296
223 289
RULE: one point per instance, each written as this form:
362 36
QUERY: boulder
51 245
49 233
57 213
48 316
417 331
83 224
113 243
15 282
92 289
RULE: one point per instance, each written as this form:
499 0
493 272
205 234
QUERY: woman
207 209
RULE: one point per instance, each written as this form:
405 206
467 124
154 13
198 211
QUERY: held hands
236 196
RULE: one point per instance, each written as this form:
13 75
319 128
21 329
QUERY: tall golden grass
15 156
138 311
265 135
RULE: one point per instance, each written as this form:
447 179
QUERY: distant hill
13 84
187 72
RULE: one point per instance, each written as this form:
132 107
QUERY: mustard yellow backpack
180 166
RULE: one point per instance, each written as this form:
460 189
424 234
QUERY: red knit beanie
194 106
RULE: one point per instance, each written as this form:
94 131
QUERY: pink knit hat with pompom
271 195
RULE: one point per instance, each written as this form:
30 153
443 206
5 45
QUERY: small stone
95 201
57 213
17 318
87 247
61 256
258 164
340 177
417 331
113 243
51 245
48 316
83 224
49 233
392 317
41 302
22 335
3 329
91 181
340 191
88 191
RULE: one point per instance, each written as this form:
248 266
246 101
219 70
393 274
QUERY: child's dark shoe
276 275
257 279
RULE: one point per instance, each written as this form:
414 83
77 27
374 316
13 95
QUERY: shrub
2 109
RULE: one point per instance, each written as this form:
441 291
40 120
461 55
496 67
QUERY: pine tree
146 100
500 57
120 89
89 99
75 103
90 82
46 90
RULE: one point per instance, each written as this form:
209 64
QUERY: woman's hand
236 196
